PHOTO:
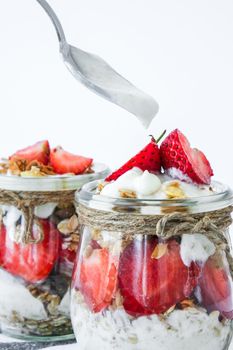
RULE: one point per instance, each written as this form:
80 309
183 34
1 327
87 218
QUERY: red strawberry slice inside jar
154 271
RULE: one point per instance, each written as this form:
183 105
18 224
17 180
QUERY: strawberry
67 255
176 153
215 286
64 162
150 284
32 262
146 159
97 279
39 152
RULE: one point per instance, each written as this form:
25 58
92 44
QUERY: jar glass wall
153 274
39 237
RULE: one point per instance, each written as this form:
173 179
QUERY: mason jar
38 242
153 274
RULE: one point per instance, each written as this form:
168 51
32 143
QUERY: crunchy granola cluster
25 168
69 229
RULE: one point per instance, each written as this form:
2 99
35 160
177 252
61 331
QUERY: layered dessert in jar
39 237
154 266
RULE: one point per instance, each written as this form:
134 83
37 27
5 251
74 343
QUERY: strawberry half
176 153
64 162
39 151
151 285
146 159
97 279
216 290
32 262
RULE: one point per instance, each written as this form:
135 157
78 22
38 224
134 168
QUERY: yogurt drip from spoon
98 76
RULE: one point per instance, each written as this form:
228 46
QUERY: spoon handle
57 24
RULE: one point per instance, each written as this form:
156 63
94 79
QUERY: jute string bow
213 225
26 203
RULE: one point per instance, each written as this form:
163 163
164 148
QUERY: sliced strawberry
216 291
97 279
32 262
64 162
147 159
176 153
39 151
151 285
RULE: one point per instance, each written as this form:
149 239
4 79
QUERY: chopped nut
187 303
33 172
159 251
95 234
68 226
172 308
101 185
43 296
26 168
127 194
17 166
53 304
4 166
73 223
45 169
118 299
75 237
174 191
73 247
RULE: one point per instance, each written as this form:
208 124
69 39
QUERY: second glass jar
38 242
153 274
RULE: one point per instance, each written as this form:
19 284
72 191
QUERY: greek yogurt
147 185
191 329
196 247
12 295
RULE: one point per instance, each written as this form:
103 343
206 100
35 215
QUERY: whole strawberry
177 154
146 159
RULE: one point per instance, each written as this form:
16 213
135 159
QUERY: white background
181 52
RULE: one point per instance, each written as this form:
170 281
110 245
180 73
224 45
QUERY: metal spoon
98 76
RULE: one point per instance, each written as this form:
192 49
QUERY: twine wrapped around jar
212 224
26 203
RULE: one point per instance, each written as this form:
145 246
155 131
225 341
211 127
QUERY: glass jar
153 274
38 242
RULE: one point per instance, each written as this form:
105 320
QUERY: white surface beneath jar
4 339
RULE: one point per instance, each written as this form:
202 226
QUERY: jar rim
222 197
52 182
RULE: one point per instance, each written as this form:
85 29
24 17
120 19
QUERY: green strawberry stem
160 137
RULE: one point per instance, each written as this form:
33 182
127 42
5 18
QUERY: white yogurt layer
177 174
64 307
196 247
45 210
188 329
150 186
12 215
15 297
